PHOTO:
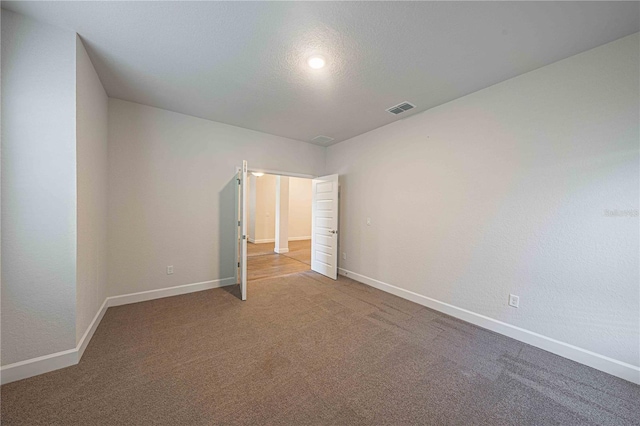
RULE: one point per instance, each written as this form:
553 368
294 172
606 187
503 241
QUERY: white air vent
400 108
322 140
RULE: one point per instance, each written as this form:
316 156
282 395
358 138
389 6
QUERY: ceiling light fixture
316 62
257 174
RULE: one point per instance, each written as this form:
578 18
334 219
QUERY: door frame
241 230
276 173
298 175
280 173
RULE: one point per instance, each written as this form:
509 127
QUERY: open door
241 249
324 226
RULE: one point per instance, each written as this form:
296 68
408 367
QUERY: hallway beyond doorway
263 262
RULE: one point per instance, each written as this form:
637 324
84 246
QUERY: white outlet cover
514 300
169 270
344 256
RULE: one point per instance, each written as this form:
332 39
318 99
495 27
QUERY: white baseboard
272 240
40 365
281 250
263 241
44 364
300 238
599 362
143 296
86 338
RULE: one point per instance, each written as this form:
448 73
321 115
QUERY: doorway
279 219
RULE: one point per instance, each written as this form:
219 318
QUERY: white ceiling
244 63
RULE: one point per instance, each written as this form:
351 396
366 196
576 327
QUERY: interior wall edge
142 296
58 360
591 359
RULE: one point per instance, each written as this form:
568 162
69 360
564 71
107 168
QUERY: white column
282 214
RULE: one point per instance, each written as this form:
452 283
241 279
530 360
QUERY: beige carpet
306 350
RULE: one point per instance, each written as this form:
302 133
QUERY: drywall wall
38 189
528 187
299 208
172 189
282 215
262 208
265 211
251 201
91 154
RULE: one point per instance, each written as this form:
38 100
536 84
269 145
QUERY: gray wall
171 193
506 191
91 138
38 189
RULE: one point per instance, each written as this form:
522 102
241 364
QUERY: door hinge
238 264
244 237
238 223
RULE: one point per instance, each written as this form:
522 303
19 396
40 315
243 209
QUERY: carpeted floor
306 350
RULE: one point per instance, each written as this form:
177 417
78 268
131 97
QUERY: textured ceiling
244 63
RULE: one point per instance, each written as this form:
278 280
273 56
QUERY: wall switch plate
514 300
344 256
169 270
368 221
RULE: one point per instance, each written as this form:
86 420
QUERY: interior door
324 226
241 249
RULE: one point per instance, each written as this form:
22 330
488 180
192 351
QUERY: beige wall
506 191
265 212
251 201
262 216
171 193
91 146
299 208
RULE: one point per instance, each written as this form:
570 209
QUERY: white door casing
241 230
243 262
324 226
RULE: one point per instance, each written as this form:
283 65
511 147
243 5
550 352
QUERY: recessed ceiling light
257 174
316 62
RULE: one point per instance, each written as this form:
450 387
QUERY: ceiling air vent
400 108
322 140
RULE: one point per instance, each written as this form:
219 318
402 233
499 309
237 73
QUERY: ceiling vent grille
400 108
322 140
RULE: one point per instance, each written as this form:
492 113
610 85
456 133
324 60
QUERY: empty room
320 213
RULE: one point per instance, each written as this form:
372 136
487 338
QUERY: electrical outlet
368 221
344 256
170 270
514 300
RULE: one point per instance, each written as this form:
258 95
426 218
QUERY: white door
241 249
324 226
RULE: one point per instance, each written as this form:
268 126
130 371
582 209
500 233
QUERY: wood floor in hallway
263 262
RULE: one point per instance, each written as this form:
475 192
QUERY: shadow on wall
227 232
